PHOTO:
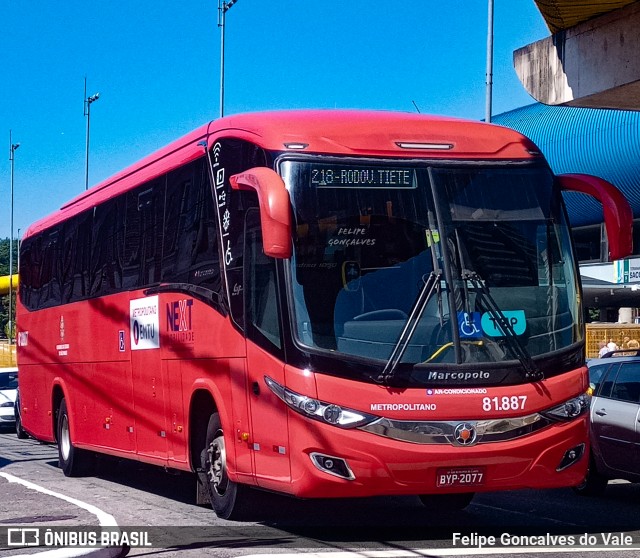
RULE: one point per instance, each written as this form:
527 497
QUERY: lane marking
435 552
104 520
526 514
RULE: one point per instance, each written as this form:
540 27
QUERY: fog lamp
332 465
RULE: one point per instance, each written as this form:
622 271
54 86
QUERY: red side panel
128 397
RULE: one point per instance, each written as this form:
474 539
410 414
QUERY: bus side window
49 294
107 244
143 235
190 252
260 286
26 275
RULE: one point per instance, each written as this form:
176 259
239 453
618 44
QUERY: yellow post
8 352
4 283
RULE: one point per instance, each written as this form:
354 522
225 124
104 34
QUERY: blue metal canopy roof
561 14
602 142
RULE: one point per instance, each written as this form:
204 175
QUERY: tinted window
607 381
108 245
190 253
164 230
50 291
78 230
231 156
596 374
627 384
143 234
261 300
66 262
26 274
9 380
54 265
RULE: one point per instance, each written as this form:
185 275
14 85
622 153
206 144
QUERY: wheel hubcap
65 439
217 471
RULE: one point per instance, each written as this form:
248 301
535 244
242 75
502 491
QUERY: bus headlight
570 409
329 413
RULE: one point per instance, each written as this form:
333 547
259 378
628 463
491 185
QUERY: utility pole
12 153
87 113
489 81
223 7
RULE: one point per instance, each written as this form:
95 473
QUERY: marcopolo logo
465 434
144 323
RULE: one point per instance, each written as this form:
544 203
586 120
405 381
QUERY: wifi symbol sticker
217 148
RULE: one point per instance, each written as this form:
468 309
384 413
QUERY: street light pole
489 82
12 152
87 113
223 7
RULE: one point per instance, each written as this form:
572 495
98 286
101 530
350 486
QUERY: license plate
467 476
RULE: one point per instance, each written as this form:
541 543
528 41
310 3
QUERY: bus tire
228 499
594 483
20 432
73 461
446 502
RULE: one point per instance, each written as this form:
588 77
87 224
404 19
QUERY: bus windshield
369 234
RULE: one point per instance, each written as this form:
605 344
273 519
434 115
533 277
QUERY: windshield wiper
428 288
511 337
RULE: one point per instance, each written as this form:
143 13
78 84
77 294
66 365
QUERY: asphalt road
148 502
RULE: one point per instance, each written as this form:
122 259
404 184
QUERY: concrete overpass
592 58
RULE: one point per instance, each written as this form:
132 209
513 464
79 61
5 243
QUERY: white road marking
104 520
435 552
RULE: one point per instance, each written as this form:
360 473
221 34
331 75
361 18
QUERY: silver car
8 387
615 420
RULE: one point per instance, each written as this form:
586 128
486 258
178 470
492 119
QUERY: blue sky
157 68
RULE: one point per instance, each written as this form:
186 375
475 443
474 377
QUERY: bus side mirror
275 208
618 217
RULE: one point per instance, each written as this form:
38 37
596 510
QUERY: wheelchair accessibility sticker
469 325
472 325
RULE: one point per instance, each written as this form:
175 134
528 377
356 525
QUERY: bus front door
269 439
269 436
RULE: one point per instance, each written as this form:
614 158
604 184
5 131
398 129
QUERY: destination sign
337 176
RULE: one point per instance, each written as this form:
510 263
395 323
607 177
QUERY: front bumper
383 466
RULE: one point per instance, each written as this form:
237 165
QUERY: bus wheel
447 502
594 483
74 462
21 432
228 499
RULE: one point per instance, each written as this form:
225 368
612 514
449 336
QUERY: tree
4 270
4 257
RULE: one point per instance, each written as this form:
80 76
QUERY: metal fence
7 355
623 335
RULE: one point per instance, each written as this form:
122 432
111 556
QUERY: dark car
615 416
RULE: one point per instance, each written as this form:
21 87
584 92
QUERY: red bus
321 304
